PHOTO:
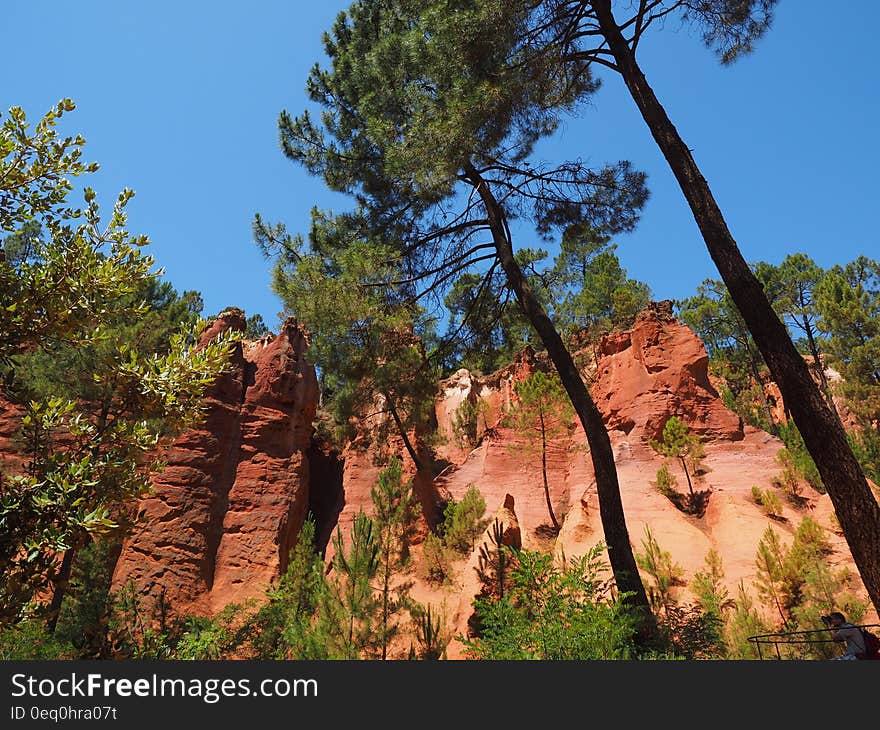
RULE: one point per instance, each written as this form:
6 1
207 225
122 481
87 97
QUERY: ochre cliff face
639 379
656 370
236 490
233 496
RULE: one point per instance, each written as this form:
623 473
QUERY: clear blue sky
179 101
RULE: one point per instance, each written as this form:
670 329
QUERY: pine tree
395 511
290 625
678 443
665 573
591 290
464 521
711 314
799 278
404 132
541 415
356 567
744 625
566 40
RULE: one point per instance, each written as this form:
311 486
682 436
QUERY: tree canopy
431 131
73 286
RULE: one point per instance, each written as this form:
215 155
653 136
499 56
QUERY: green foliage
666 482
490 325
796 458
798 586
204 639
429 128
797 582
789 479
865 443
692 632
848 302
745 622
708 587
541 414
82 622
29 640
542 410
734 357
553 612
767 501
83 487
665 574
678 443
58 286
466 423
355 567
395 513
367 339
494 562
437 559
69 284
141 631
431 633
591 290
415 102
289 625
146 320
255 327
463 521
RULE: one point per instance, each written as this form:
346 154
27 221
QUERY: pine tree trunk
820 368
823 434
623 562
687 474
756 374
410 449
544 474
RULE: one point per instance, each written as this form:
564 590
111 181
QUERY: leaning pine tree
564 40
431 130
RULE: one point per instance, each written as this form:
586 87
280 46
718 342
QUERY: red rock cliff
656 370
230 502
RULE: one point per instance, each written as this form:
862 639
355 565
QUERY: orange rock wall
229 504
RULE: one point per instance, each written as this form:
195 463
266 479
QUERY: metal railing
795 638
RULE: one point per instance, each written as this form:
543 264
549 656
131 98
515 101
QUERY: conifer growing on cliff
432 136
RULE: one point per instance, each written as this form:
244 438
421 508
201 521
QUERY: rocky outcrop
656 370
11 458
230 502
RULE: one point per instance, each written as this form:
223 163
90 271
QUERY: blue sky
179 101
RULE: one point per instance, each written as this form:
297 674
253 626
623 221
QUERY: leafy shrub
463 521
29 639
465 423
553 611
666 482
436 560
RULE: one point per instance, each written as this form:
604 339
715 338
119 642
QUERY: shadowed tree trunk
823 434
623 562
